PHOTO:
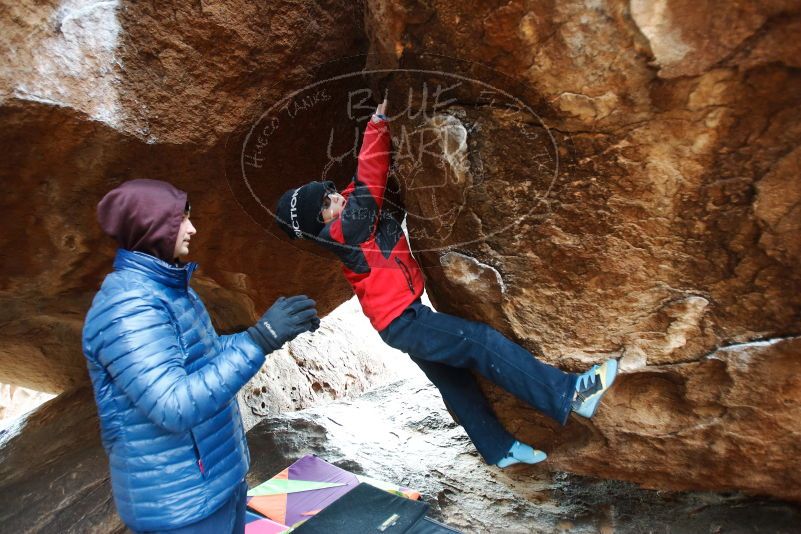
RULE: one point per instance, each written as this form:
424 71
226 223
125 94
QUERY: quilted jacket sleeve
374 159
231 340
141 351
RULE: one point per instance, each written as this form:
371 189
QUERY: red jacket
369 240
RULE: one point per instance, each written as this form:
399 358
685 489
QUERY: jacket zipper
406 274
199 459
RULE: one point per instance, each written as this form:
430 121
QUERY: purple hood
144 216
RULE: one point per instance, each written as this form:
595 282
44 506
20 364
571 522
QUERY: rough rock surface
54 472
342 359
617 179
92 94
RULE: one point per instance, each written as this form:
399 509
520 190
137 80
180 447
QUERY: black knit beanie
298 211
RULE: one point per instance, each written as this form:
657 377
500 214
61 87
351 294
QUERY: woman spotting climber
388 282
165 383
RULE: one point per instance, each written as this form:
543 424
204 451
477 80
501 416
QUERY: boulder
616 180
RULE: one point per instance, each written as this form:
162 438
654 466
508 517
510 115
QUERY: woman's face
185 233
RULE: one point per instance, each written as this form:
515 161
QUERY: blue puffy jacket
165 385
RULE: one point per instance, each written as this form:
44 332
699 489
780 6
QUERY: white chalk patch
75 65
467 270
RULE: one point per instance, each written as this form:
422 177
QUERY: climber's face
333 204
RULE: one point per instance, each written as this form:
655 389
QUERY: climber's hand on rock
380 111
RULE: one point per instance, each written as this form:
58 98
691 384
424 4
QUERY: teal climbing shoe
591 386
520 453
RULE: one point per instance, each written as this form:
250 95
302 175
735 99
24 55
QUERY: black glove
285 319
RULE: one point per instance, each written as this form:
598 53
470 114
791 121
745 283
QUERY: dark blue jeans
230 518
447 348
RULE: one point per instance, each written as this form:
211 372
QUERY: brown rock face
95 94
617 180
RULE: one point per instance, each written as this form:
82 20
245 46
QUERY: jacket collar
154 268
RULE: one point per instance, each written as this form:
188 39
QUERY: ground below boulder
402 433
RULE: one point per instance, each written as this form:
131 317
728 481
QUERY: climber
165 383
367 237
